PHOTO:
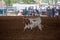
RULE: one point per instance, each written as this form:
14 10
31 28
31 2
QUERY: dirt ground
12 28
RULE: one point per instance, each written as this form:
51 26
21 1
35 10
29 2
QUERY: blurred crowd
49 11
37 11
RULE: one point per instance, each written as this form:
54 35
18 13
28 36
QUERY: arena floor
12 28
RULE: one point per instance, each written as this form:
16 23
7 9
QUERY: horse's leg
31 26
26 26
40 27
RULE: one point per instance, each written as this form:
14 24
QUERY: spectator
48 11
53 11
25 11
29 11
59 11
32 10
17 11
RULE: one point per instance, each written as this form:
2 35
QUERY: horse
33 22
